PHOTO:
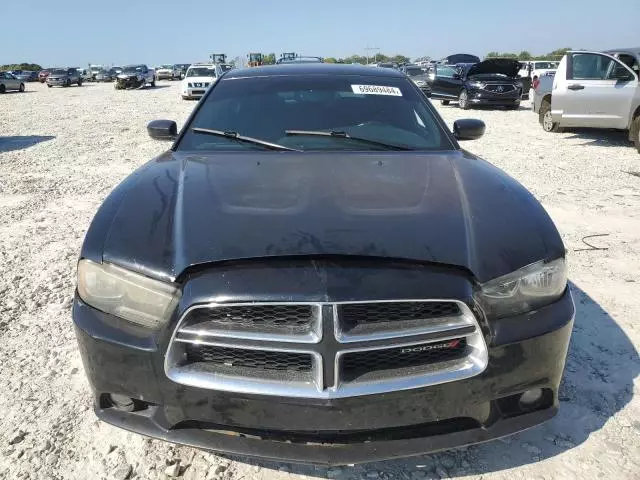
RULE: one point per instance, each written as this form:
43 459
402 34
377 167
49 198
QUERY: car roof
312 69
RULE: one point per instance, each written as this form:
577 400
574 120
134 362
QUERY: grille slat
253 359
267 319
356 364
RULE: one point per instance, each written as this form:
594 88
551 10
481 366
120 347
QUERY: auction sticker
376 90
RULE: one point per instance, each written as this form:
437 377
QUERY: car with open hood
493 82
135 77
316 271
198 78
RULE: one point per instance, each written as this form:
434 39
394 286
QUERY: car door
11 82
446 83
597 91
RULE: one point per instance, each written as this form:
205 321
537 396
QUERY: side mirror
162 129
468 129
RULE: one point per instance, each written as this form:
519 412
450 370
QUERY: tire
80 82
153 83
635 126
463 100
444 102
548 125
21 87
68 84
48 85
2 89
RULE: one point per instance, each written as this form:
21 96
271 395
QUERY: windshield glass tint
201 72
58 71
265 108
538 65
132 69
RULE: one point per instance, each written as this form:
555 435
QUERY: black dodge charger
315 271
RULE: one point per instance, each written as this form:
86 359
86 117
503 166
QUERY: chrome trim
342 337
260 386
474 363
314 335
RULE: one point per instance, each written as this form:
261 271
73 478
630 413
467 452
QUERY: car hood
129 75
199 79
182 210
504 66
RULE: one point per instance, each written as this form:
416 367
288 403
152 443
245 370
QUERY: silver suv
596 90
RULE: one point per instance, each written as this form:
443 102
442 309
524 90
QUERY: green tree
330 60
524 55
269 59
34 67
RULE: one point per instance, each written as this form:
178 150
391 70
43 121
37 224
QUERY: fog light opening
531 399
122 402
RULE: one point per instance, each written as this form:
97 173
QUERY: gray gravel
63 150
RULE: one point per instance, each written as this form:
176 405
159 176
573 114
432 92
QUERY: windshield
201 72
414 72
133 69
376 109
538 65
58 71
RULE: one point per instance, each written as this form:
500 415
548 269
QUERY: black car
493 82
315 271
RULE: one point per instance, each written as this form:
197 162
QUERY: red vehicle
43 75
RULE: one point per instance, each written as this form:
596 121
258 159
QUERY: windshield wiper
242 138
337 134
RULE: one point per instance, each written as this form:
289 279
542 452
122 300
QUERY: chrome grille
501 88
325 350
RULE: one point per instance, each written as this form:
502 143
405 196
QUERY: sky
108 32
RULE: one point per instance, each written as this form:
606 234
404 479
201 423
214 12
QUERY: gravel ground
63 150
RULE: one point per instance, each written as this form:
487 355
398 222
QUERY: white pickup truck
595 90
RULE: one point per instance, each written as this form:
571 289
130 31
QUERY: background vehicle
105 75
541 91
492 82
536 68
42 76
135 76
22 75
255 59
594 90
167 72
8 82
459 58
182 68
629 56
198 78
64 77
418 75
218 58
287 56
299 59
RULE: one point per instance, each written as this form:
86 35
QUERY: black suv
493 82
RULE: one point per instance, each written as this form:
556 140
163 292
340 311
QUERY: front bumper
57 83
525 352
193 93
485 98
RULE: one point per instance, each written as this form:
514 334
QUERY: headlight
125 294
190 85
524 290
519 85
478 85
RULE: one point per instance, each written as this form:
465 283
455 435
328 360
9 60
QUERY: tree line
33 67
525 55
